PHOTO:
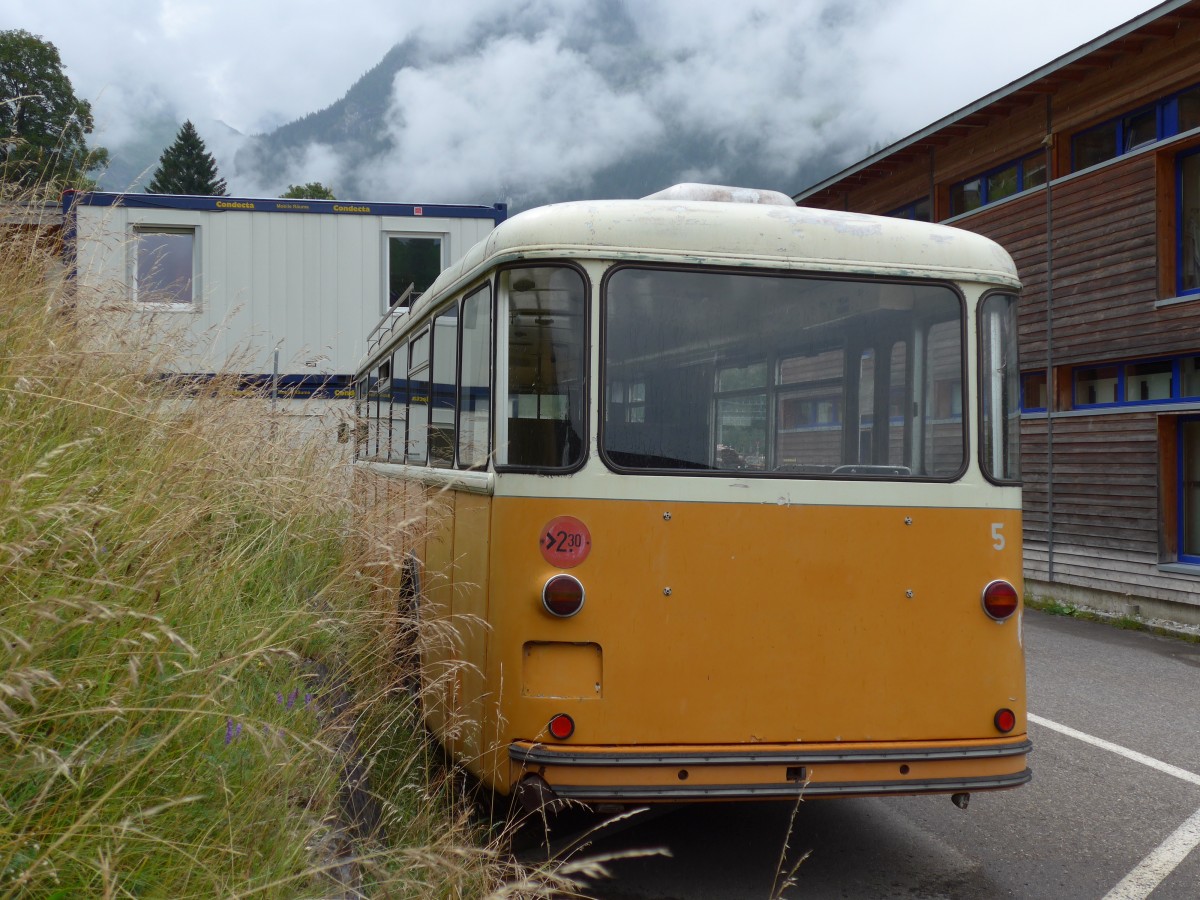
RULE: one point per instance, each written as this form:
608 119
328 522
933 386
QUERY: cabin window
999 389
785 376
413 262
547 362
164 265
474 390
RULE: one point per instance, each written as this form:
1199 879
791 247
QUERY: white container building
232 280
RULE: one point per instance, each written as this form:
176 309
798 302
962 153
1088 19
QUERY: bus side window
474 391
372 447
547 330
384 427
399 439
443 394
360 417
418 399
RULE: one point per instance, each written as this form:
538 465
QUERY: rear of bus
756 527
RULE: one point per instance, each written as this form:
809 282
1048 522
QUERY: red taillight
563 596
561 726
1006 720
1000 600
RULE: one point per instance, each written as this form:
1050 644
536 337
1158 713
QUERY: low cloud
537 115
529 116
545 98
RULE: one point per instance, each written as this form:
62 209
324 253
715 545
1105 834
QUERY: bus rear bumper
670 774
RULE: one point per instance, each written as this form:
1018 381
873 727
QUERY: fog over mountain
589 102
529 101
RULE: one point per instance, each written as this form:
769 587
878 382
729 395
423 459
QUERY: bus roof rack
721 193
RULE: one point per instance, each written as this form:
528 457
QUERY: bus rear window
777 375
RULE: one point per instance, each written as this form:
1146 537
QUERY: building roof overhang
1160 22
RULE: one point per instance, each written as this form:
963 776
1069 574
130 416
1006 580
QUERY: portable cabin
265 287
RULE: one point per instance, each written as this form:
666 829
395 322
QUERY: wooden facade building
1088 172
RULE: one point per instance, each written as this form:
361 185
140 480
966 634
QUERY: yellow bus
721 501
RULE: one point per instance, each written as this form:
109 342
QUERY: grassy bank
195 639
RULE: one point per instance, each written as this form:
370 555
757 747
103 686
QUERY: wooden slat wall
1105 506
1105 277
1020 227
1034 497
1105 268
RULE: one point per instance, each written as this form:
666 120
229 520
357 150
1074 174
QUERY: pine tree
186 167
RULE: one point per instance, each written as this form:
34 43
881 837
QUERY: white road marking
1163 859
1182 774
1159 863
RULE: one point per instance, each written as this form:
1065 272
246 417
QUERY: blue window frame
1013 177
1136 382
1137 128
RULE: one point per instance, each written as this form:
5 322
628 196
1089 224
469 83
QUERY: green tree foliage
43 125
186 167
314 190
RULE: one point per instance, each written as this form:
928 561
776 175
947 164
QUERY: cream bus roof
737 234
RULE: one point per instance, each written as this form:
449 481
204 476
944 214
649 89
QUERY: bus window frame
396 351
491 285
456 306
964 320
500 364
423 329
983 420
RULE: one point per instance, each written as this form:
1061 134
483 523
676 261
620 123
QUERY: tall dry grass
199 684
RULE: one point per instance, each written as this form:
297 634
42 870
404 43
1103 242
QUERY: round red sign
565 542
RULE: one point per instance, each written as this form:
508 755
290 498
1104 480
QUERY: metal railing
391 318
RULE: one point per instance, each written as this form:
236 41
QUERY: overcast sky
798 74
